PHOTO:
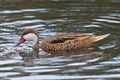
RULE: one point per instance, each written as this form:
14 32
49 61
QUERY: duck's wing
60 38
67 37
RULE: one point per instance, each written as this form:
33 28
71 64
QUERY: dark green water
52 17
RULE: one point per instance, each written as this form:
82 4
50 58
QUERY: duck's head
29 34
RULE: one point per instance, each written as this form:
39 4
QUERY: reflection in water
31 55
52 17
73 52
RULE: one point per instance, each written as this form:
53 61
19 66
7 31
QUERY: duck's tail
98 38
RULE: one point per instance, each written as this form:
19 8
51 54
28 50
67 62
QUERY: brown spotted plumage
65 41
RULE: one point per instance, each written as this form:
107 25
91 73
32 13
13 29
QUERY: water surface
52 17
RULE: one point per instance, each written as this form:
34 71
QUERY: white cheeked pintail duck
68 41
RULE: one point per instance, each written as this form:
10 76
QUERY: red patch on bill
22 40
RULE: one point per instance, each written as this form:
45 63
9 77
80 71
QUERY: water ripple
20 22
4 74
107 20
5 62
57 77
22 11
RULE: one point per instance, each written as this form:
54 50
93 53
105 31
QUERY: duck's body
61 41
68 41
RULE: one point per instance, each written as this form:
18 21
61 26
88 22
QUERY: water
52 17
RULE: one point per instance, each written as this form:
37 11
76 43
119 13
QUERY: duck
58 42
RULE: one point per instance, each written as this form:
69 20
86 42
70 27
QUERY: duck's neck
35 44
35 41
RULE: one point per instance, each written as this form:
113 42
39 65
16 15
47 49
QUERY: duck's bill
22 40
17 44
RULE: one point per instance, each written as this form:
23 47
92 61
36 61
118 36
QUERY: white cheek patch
31 37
